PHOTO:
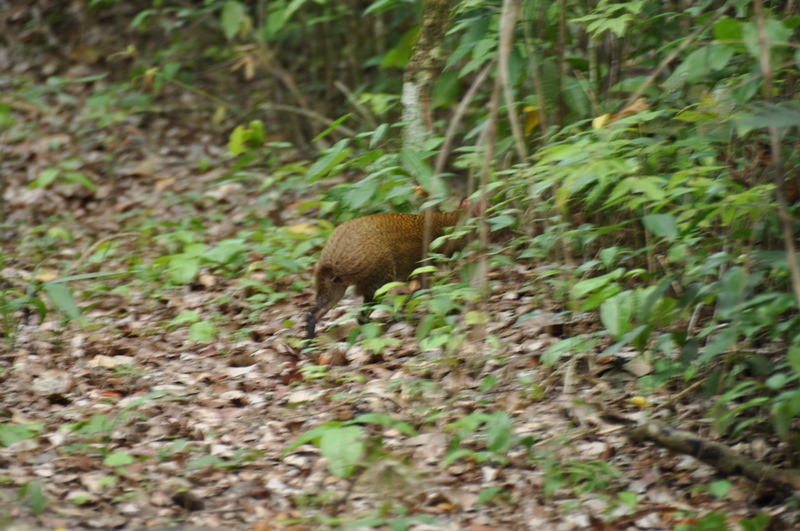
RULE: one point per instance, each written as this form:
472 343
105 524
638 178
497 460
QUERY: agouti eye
336 280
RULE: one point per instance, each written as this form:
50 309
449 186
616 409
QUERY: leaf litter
130 422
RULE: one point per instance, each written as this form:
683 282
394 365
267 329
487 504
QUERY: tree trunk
421 71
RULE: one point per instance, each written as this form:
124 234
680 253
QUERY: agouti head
370 251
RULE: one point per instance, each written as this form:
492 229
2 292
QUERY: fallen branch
712 453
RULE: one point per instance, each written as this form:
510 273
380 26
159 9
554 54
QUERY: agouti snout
371 251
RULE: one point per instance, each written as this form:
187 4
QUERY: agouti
372 250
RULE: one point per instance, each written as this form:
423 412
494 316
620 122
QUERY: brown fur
370 251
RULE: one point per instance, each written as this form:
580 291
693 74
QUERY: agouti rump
371 251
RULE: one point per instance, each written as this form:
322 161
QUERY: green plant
64 172
99 427
12 433
239 458
199 329
374 341
313 373
15 303
498 435
711 521
344 443
492 495
32 494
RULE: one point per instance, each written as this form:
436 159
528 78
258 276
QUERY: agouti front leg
368 287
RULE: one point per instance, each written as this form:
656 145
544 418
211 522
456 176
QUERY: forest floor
179 403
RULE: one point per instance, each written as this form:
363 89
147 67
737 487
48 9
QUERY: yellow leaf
640 105
531 118
302 228
45 275
600 121
219 114
639 401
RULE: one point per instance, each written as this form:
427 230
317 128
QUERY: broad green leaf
336 123
61 298
183 269
6 118
360 193
488 494
13 433
378 135
312 436
45 178
699 64
563 347
279 18
719 488
421 171
236 141
206 461
232 18
663 225
589 285
119 459
615 314
194 249
77 177
455 455
327 162
794 358
721 343
778 34
185 317
226 251
782 115
728 29
446 89
34 494
424 269
388 286
499 432
343 448
202 331
651 187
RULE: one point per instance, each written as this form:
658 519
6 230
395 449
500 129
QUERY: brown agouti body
370 251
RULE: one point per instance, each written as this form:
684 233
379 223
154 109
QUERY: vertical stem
777 169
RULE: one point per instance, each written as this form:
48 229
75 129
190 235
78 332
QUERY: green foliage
16 303
399 521
662 222
99 427
374 341
498 435
243 138
344 444
13 433
239 458
50 175
675 199
32 494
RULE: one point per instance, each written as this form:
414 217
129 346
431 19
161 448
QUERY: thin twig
310 114
678 49
777 170
90 251
508 19
363 111
456 119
